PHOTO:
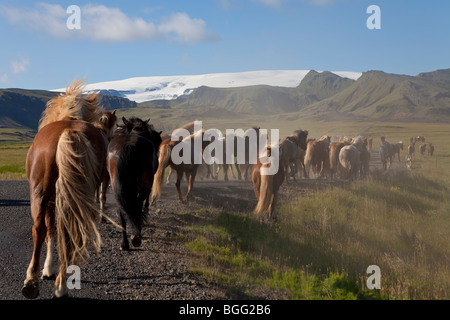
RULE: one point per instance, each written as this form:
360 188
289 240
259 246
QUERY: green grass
322 244
12 161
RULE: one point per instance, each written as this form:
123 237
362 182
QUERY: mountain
23 108
142 89
321 85
380 95
262 99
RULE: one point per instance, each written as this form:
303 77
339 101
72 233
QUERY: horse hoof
30 291
124 247
49 277
136 241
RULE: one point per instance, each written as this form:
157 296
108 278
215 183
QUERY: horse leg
102 197
273 201
178 183
294 170
191 183
31 285
61 289
246 176
49 270
168 177
225 171
124 246
238 171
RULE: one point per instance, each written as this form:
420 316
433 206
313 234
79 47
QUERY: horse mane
358 142
72 105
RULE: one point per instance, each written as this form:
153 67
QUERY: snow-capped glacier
142 89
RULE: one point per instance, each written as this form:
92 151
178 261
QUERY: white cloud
20 66
185 29
104 24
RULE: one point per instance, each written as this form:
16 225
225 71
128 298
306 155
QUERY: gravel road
157 270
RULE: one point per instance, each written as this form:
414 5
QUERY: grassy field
323 242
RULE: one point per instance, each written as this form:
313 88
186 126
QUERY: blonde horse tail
308 157
76 210
265 193
164 157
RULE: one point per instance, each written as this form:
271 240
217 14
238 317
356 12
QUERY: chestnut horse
64 168
132 163
108 122
189 168
266 187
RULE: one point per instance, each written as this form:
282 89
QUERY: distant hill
384 96
20 107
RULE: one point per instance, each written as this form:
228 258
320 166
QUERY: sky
41 49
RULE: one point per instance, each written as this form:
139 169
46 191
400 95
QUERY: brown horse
64 168
266 187
422 148
335 166
430 149
318 156
290 157
108 122
396 148
189 168
411 149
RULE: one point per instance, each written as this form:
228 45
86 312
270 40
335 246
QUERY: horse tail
265 193
78 179
163 159
308 157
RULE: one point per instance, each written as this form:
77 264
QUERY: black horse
132 164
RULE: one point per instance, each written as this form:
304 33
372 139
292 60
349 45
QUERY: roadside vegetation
322 244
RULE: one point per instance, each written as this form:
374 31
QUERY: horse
266 187
229 154
396 149
108 121
350 159
411 149
430 149
189 169
364 156
132 163
64 168
291 157
335 148
248 149
318 156
190 128
422 148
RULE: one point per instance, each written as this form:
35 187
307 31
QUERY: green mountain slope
379 95
20 107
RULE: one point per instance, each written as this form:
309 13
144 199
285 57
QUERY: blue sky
123 39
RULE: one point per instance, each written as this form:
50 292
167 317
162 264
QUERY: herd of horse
80 149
